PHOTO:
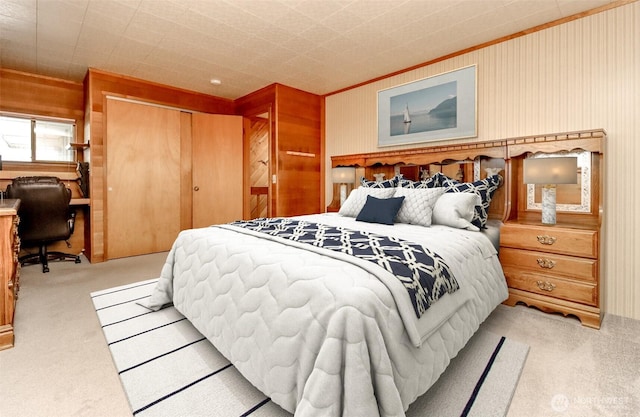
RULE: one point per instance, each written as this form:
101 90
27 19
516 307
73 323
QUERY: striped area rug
168 368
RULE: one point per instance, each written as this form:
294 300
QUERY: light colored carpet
61 365
169 369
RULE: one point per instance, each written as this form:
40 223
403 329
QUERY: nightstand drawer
564 241
548 264
552 286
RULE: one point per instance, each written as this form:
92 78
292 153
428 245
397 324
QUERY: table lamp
549 172
343 176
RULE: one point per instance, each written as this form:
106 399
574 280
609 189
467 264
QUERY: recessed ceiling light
215 81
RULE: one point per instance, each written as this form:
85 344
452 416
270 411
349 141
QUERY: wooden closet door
142 178
217 168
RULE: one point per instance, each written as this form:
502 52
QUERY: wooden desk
79 202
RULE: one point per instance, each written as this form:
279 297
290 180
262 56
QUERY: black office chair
45 217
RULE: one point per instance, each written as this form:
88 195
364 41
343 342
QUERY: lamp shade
343 175
561 170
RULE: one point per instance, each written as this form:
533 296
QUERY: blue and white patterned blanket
423 272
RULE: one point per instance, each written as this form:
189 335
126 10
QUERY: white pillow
417 207
456 210
358 197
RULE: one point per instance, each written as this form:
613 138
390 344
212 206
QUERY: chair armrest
72 219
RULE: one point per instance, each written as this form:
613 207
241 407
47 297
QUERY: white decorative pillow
418 204
456 210
358 197
485 188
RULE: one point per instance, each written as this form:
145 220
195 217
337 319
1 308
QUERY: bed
325 333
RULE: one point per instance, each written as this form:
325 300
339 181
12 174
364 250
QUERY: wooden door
142 178
217 168
257 162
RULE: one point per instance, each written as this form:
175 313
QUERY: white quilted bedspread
320 336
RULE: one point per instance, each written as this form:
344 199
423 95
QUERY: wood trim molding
557 142
426 155
589 140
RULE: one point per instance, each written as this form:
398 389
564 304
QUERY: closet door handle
196 188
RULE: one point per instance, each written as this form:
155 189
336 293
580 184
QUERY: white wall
584 74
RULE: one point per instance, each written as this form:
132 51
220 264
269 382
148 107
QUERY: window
24 139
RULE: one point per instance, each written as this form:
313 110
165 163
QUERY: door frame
256 112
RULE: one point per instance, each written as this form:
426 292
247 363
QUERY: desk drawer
576 242
549 264
551 286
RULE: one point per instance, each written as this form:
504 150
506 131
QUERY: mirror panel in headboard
571 198
577 204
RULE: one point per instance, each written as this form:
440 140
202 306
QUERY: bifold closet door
217 157
142 178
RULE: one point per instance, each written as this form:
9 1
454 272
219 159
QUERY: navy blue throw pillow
380 210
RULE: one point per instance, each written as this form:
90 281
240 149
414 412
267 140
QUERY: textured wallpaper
580 75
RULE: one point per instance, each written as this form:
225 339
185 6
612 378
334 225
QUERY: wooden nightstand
554 268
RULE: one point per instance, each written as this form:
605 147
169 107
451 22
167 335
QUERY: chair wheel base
43 257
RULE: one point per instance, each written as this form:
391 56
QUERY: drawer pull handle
546 286
546 263
546 239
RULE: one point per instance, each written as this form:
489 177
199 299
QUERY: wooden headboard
469 160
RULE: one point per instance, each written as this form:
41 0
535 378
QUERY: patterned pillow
391 183
358 197
380 210
440 179
485 188
429 183
418 204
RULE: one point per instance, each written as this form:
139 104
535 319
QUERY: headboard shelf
509 203
423 156
588 140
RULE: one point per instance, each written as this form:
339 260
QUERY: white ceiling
315 45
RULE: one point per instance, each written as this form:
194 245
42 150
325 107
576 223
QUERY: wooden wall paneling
37 95
299 152
99 85
256 102
296 141
42 96
217 169
142 178
133 88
